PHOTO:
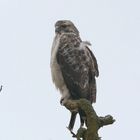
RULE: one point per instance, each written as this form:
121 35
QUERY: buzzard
73 66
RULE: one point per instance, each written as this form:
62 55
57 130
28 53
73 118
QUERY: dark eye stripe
64 26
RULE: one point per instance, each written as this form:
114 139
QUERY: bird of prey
73 67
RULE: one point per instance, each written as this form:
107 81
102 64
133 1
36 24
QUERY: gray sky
29 102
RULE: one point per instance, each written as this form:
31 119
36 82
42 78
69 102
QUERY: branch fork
93 122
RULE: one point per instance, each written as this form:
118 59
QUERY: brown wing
77 68
95 63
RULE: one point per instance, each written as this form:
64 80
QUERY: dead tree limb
93 122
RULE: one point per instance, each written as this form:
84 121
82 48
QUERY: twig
1 88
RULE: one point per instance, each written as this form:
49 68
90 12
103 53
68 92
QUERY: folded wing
79 67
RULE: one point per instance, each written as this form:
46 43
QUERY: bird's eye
64 26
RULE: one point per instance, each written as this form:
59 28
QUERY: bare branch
93 122
1 88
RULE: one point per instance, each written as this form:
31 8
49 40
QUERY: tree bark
93 122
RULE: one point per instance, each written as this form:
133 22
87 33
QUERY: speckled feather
78 66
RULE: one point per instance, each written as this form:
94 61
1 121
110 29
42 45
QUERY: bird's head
65 26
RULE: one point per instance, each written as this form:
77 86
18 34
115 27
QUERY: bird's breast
57 76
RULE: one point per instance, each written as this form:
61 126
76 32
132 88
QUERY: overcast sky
29 102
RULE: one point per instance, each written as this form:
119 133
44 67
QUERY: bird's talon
73 134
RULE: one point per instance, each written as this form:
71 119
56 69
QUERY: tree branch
93 122
1 88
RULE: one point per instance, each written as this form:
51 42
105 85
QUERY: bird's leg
73 107
82 118
72 120
82 121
